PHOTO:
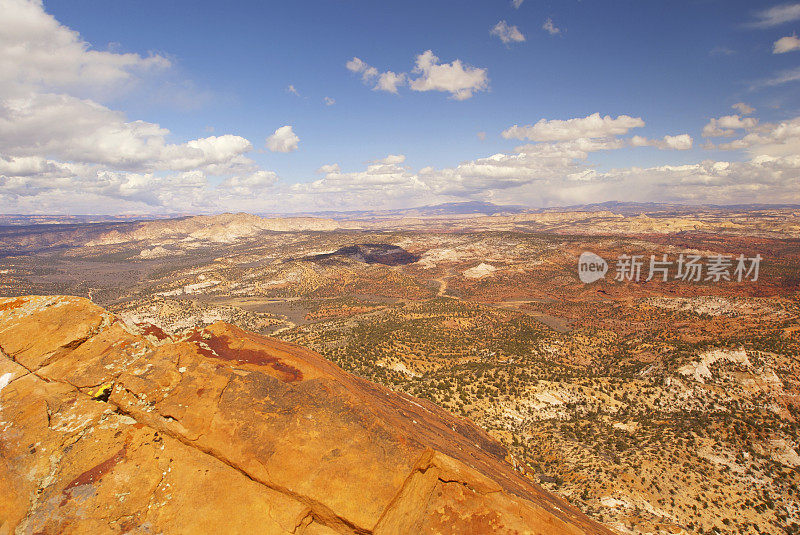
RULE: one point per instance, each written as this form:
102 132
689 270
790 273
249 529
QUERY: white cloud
764 179
786 44
283 140
381 177
391 159
558 174
60 149
37 52
456 78
591 126
679 142
460 80
743 108
516 3
36 177
530 163
358 66
329 101
249 185
551 28
389 81
79 130
726 126
329 168
776 16
782 77
769 139
507 34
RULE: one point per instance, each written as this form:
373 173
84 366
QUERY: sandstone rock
111 428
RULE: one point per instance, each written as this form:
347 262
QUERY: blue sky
202 70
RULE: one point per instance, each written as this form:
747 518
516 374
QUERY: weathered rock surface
110 428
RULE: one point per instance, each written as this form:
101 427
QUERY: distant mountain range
446 209
636 208
452 209
486 208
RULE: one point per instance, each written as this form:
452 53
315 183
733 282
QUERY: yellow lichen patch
102 392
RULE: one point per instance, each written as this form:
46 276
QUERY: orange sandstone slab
105 427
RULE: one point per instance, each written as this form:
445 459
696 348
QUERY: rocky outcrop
111 428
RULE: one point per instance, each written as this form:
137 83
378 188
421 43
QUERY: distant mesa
369 253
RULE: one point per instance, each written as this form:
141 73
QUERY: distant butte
111 428
369 253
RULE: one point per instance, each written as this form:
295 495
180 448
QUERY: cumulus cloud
726 126
389 82
329 101
591 126
719 182
769 139
61 149
385 176
37 52
283 140
551 28
328 168
79 130
357 65
516 3
558 171
507 33
786 44
248 185
456 78
679 142
743 108
776 15
391 159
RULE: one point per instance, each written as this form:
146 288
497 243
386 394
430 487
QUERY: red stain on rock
150 329
11 305
94 474
220 347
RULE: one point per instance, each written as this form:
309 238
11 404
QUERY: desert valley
652 406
